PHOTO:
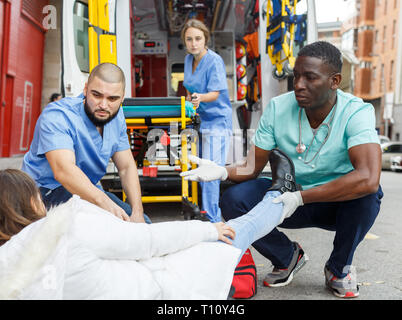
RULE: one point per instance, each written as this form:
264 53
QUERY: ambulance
257 41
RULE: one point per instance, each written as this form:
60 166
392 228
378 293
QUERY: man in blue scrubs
330 138
74 140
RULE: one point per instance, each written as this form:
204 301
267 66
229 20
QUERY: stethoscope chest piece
300 148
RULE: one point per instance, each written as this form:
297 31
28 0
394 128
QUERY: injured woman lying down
79 251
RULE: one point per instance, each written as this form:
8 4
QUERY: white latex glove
207 171
291 201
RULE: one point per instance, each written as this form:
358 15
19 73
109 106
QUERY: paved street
378 259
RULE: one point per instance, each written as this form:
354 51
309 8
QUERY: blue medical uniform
64 125
353 124
216 120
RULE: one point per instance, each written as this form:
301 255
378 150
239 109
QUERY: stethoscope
301 147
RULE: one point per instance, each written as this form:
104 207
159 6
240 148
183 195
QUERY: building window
384 38
393 34
385 6
355 38
80 25
373 79
391 75
382 79
348 40
365 65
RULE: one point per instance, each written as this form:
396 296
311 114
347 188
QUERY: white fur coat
80 251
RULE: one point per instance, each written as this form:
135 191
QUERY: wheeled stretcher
284 28
162 132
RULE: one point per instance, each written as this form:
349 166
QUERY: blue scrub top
353 124
210 75
64 125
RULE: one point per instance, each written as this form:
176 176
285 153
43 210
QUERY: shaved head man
74 140
109 73
104 93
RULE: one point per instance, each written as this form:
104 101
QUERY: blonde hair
194 23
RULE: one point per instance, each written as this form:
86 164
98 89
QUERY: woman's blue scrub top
210 75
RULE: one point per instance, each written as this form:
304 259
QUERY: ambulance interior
158 52
158 71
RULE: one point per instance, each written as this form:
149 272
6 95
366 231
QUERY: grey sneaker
282 277
342 287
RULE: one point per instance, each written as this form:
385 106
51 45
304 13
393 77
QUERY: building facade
372 32
331 32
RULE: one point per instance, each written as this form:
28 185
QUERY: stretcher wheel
278 76
287 68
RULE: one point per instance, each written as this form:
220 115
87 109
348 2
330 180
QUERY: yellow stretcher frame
287 44
183 120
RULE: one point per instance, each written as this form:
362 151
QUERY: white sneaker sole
290 278
347 295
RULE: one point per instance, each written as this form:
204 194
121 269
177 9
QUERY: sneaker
342 287
282 277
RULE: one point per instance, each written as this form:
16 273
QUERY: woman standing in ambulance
206 86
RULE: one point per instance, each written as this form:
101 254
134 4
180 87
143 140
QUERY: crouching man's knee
231 203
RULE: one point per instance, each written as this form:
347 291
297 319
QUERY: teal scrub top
353 124
210 75
64 125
